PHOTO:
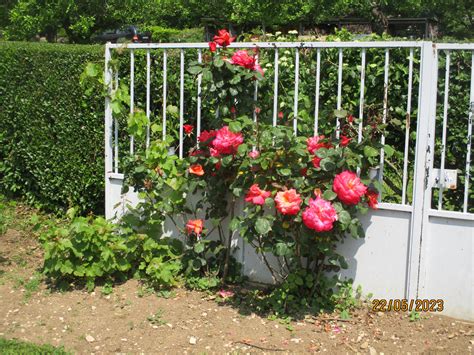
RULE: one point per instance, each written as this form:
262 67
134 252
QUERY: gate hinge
447 181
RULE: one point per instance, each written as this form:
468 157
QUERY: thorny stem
229 243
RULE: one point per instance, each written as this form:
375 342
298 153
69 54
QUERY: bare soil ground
132 321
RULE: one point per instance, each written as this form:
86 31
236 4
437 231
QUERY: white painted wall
379 261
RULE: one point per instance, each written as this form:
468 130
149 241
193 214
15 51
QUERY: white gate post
108 127
423 164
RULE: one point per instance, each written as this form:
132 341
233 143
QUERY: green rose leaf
263 226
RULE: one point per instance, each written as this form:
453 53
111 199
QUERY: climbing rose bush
302 194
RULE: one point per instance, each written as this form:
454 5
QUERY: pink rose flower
256 195
226 141
243 59
320 215
314 143
254 154
225 294
348 187
288 202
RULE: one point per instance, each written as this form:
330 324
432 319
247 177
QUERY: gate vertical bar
199 93
132 93
361 95
316 99
445 123
407 128
148 69
384 118
181 104
275 90
423 162
108 128
339 90
165 79
295 103
469 138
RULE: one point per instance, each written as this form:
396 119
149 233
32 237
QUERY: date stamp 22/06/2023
406 305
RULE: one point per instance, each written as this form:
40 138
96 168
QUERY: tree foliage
79 20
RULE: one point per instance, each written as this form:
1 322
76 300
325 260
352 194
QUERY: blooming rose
254 154
243 59
257 110
350 118
207 136
196 169
212 46
256 195
316 161
320 215
314 143
288 202
223 38
280 115
372 199
194 226
188 128
345 141
226 141
348 187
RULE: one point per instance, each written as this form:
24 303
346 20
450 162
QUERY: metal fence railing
386 75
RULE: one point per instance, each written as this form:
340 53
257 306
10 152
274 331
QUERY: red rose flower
288 202
188 128
316 161
194 226
280 115
212 46
233 109
256 195
348 187
223 38
196 169
257 110
206 137
350 118
372 199
304 171
345 141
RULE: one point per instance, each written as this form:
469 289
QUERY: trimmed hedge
51 134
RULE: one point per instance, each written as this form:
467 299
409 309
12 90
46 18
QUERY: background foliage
79 20
51 138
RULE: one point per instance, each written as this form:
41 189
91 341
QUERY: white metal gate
412 250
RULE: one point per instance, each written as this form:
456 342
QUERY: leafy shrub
51 140
164 34
90 249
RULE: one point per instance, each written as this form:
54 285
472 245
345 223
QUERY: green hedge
51 135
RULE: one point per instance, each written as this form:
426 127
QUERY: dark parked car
126 33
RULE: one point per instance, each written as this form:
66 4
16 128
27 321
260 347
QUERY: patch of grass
156 319
32 285
14 347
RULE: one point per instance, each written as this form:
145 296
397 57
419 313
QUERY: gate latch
448 181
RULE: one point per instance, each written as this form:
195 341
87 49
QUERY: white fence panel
413 249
